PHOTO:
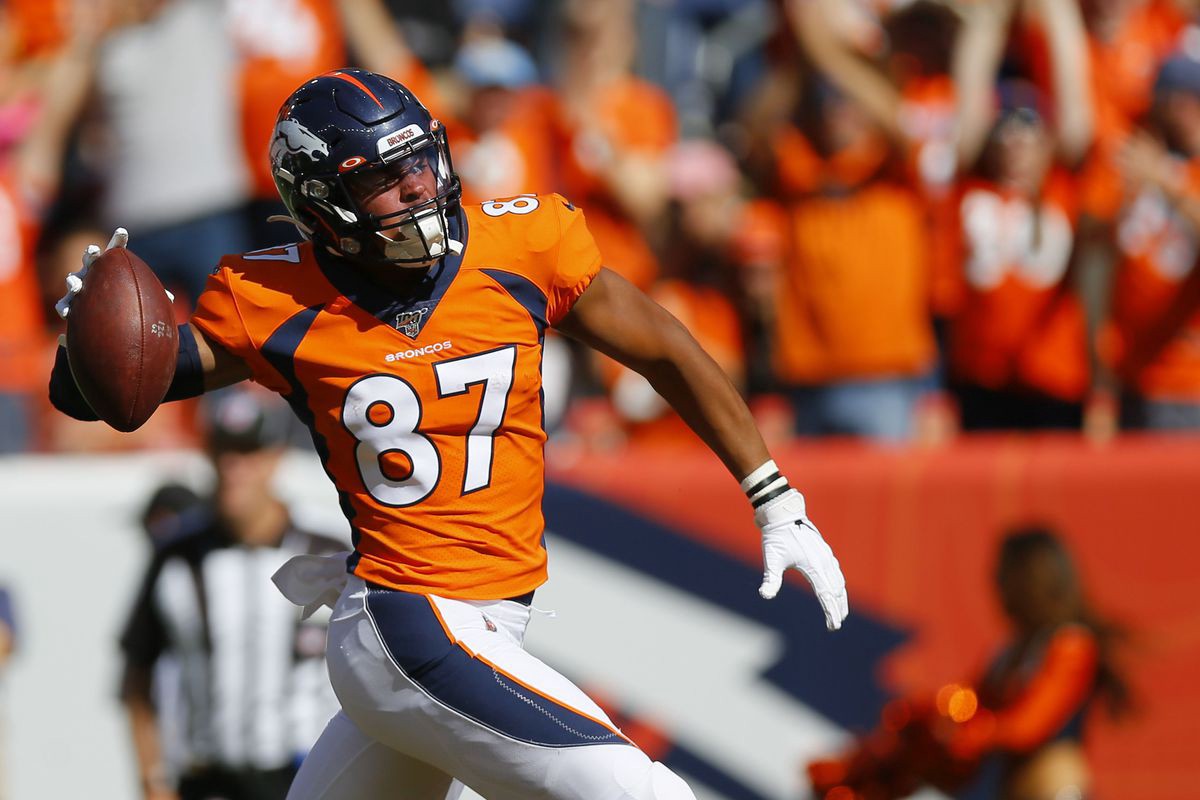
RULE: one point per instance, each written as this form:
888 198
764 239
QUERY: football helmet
365 171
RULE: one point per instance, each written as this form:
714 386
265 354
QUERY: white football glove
791 540
120 238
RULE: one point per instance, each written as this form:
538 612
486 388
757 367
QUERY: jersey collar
409 313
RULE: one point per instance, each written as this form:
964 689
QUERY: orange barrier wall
916 532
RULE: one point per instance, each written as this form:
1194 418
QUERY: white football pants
435 689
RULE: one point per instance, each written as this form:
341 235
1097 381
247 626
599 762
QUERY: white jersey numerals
383 412
399 465
494 369
524 204
1010 237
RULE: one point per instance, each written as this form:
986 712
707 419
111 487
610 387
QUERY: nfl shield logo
409 322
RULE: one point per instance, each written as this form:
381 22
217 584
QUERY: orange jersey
1159 250
426 413
854 290
1018 325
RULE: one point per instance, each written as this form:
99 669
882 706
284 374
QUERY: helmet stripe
356 82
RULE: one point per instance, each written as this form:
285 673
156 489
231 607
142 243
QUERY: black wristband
64 392
189 374
767 497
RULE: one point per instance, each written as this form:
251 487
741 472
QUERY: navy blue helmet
347 137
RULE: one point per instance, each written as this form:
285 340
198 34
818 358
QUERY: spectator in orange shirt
1018 349
854 335
1156 307
901 80
1018 346
1127 41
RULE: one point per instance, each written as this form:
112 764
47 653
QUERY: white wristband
757 475
763 484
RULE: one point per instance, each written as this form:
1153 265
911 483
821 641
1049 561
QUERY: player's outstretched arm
616 318
619 320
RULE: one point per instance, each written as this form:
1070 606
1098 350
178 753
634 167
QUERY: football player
406 332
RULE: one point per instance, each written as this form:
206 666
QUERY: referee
253 692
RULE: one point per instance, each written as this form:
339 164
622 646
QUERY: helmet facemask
412 172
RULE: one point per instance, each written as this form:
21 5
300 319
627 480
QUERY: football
122 339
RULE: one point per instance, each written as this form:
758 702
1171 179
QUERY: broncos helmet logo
292 137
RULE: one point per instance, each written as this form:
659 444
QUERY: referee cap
245 419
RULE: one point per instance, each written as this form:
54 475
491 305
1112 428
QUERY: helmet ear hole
316 189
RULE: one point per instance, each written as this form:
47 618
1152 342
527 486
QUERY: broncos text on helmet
365 171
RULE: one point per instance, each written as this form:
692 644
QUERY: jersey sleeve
577 261
217 314
219 317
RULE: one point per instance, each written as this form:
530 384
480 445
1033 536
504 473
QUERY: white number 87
383 412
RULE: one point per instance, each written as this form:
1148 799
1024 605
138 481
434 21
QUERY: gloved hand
120 238
791 540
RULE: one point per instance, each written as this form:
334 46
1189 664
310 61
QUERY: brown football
122 341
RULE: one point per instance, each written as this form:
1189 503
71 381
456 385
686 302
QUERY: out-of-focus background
946 250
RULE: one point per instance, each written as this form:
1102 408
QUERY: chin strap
300 226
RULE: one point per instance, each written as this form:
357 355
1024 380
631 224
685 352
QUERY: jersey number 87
383 413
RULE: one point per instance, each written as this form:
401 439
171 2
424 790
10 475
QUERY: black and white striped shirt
254 686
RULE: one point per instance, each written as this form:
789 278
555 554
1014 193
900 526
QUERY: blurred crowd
892 219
